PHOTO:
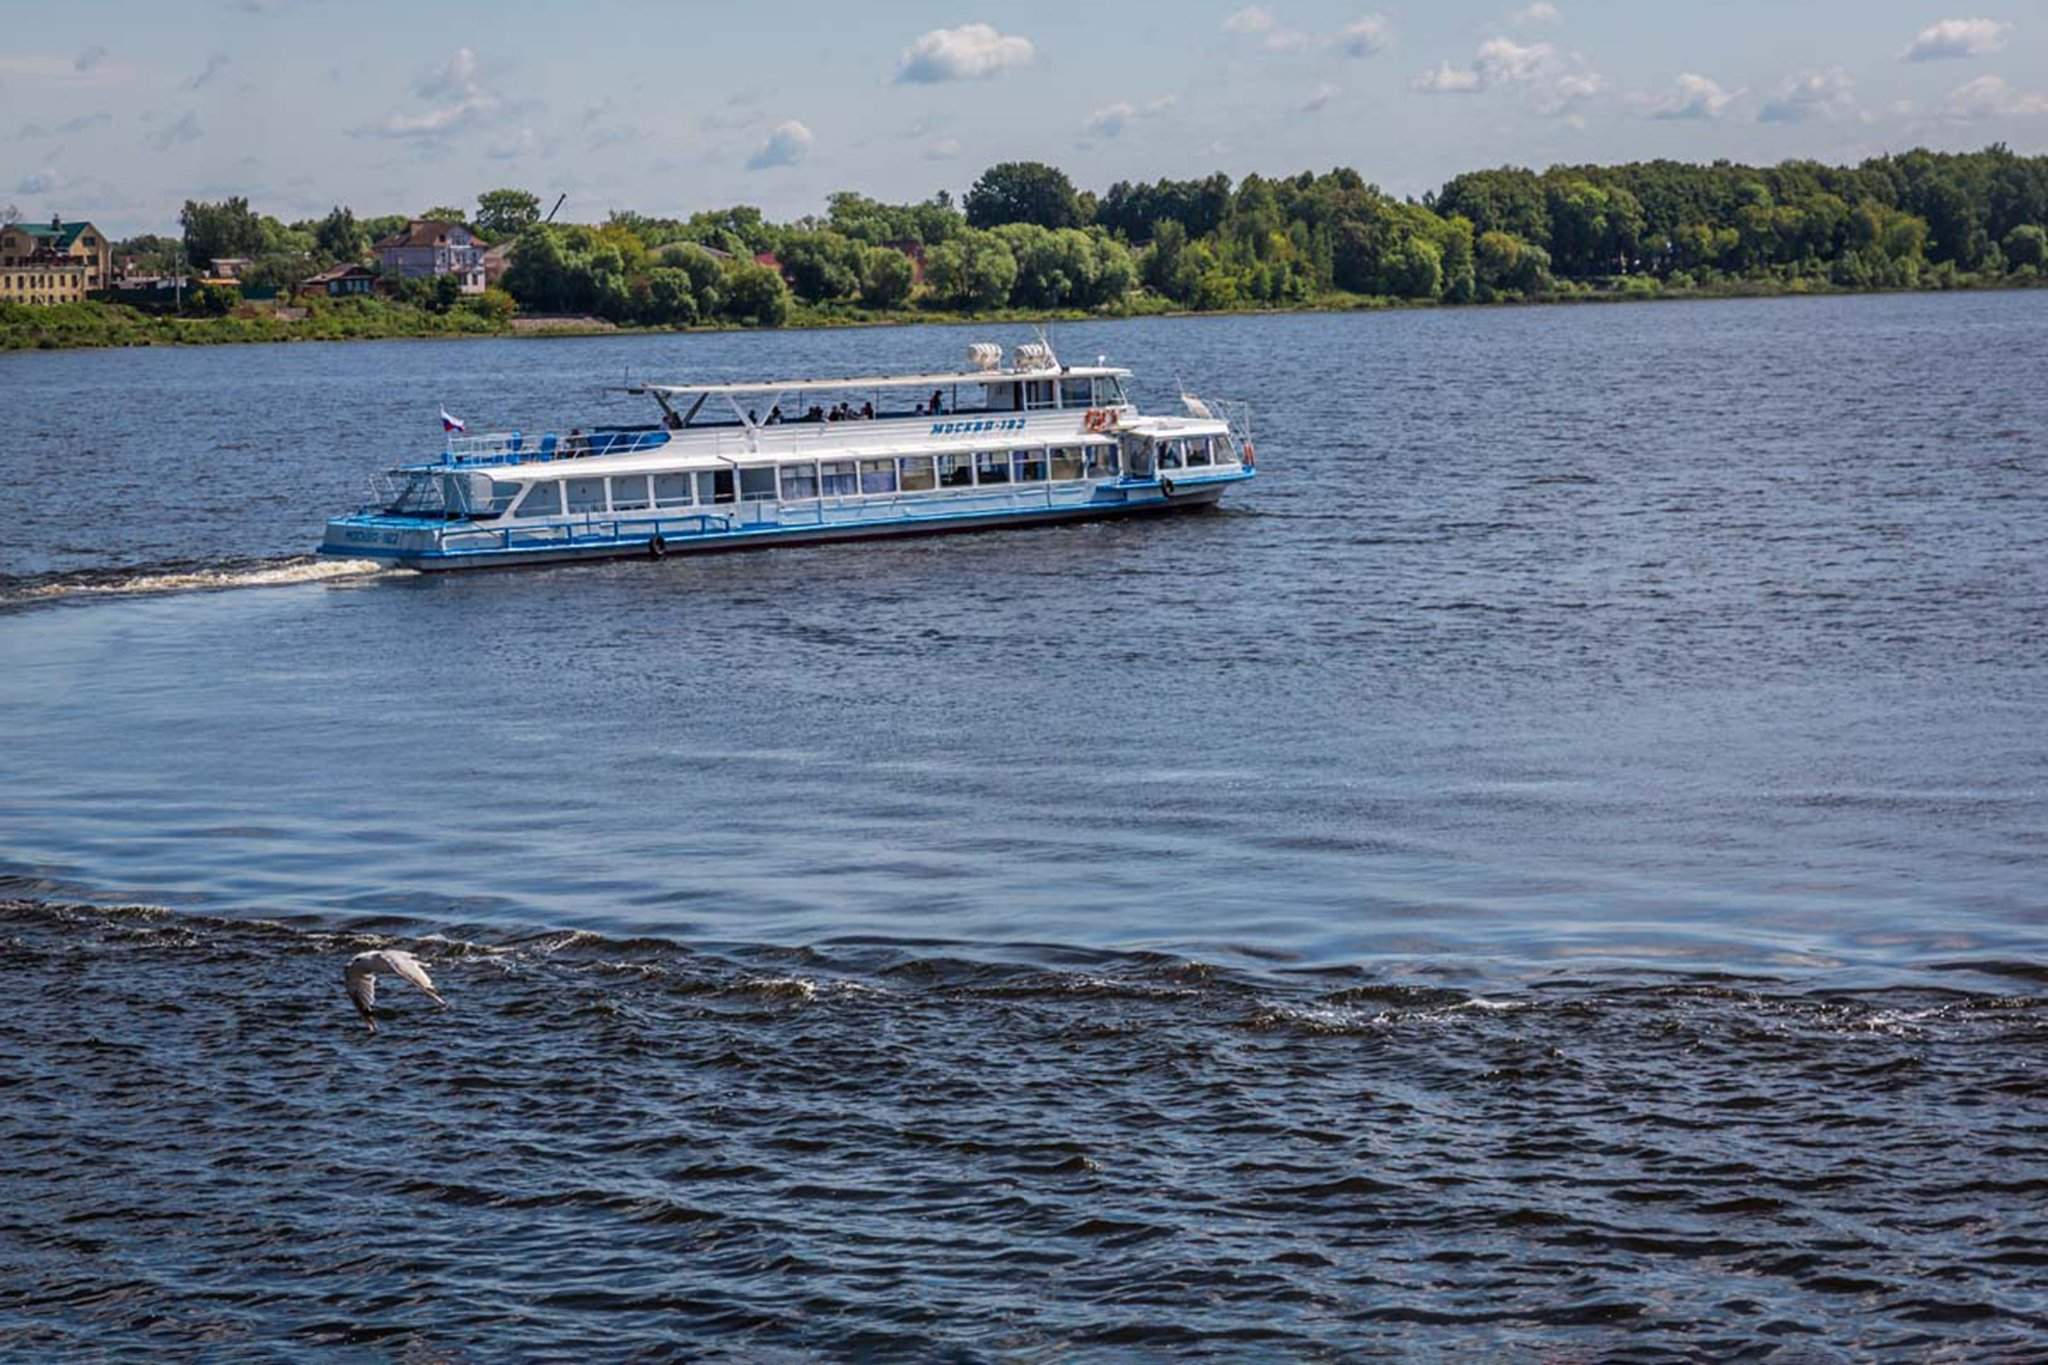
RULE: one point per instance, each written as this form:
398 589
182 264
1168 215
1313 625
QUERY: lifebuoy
1096 420
656 546
1166 487
1249 462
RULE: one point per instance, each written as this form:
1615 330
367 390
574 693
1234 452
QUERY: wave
185 576
1125 987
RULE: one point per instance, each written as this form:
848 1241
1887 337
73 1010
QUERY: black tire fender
656 546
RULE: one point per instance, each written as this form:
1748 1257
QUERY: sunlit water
1554 867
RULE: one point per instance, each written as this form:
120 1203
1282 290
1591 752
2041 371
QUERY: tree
2026 245
338 237
213 231
821 266
502 213
444 214
1023 192
886 278
973 272
755 292
671 298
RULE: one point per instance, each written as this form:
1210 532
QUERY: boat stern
402 540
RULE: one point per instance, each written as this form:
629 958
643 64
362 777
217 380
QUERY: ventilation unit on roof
1035 355
985 355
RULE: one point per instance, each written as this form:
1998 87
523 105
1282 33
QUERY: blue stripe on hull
764 536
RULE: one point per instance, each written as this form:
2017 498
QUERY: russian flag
452 423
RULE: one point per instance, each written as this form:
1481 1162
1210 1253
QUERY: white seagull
361 978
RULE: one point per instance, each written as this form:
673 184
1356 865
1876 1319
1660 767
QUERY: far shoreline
234 331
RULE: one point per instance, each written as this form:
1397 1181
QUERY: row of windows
797 482
63 281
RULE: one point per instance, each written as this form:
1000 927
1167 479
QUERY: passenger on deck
577 446
753 418
867 412
937 406
775 415
673 421
816 414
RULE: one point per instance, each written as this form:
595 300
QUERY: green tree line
1024 237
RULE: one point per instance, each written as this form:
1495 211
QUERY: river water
1553 869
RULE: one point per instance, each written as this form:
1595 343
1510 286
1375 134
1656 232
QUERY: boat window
757 484
991 466
542 500
502 495
1169 454
1000 397
1219 446
714 485
1076 393
956 471
586 495
670 490
799 482
917 474
1066 462
1139 458
1109 392
878 476
1038 393
1198 450
1028 466
629 492
1102 461
836 479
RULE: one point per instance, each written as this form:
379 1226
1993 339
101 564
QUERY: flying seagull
361 978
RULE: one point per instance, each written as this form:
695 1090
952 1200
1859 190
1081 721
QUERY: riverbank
87 325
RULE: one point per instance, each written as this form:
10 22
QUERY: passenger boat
783 461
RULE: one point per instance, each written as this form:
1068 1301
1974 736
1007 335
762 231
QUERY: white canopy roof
885 381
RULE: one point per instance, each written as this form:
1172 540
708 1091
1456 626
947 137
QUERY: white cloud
459 96
942 149
1539 13
1319 98
1952 38
45 181
1368 36
1553 82
1448 80
789 143
1503 59
1256 21
1111 119
88 59
969 52
1990 97
215 64
1826 94
1692 97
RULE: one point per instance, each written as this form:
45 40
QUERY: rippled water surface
1554 868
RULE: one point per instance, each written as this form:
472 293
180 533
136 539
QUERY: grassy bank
77 325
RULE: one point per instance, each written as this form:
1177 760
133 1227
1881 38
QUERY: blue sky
120 112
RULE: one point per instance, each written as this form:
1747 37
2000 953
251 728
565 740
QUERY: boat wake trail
183 576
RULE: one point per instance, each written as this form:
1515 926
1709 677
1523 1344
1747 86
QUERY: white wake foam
284 573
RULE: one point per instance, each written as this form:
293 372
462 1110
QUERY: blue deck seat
547 446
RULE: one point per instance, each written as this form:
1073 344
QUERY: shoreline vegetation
1025 245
